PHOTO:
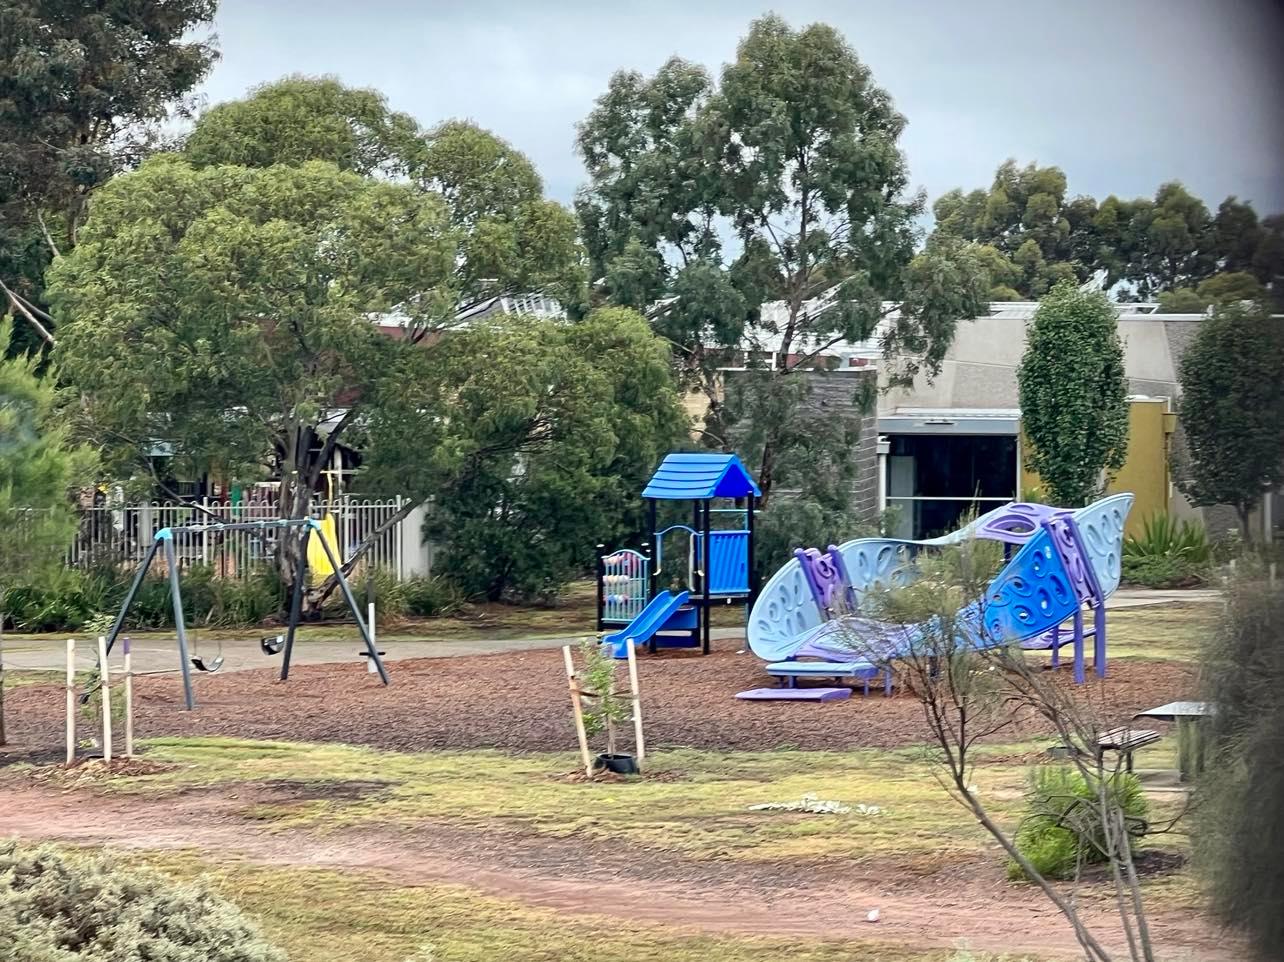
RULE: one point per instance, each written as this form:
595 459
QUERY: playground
430 804
358 821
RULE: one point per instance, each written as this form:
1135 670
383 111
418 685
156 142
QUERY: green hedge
74 600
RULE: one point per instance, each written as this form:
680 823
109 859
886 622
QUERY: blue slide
658 615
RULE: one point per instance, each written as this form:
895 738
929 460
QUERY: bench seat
862 671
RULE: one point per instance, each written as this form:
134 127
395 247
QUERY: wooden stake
637 700
129 701
104 680
578 710
71 700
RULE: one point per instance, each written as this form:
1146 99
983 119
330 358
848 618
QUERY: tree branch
45 230
17 302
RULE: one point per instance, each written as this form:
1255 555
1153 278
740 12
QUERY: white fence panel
122 533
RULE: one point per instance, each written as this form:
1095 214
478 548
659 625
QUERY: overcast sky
1121 95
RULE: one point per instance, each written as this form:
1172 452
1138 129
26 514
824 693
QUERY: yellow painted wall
1145 470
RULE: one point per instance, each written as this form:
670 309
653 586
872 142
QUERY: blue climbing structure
718 561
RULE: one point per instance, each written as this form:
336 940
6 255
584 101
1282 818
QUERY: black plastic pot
617 763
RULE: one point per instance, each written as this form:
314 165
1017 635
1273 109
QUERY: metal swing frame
163 541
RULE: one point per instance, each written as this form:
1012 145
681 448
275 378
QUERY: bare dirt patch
518 702
931 906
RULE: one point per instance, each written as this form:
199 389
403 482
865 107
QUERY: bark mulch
519 702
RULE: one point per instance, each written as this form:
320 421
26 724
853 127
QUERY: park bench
1125 741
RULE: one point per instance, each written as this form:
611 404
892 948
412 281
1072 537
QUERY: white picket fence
122 533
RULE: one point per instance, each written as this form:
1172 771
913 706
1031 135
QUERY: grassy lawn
325 916
697 805
1173 631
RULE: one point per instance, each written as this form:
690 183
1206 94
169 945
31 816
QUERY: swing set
163 543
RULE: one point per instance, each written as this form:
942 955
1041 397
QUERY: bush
1164 536
1164 573
1063 828
789 523
55 909
1241 815
1169 553
420 596
74 599
432 595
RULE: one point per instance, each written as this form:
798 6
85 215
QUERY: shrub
1164 572
428 596
76 600
1063 828
55 908
1241 815
1163 536
1169 553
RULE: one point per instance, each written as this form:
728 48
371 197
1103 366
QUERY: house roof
696 477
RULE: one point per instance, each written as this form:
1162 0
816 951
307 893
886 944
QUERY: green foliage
1027 226
165 302
795 152
75 600
1063 829
1165 536
55 908
311 118
421 596
600 703
1033 235
1241 815
1232 408
83 91
1224 288
227 309
1159 571
39 465
508 238
789 523
553 429
1073 394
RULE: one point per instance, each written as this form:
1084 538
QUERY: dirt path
967 903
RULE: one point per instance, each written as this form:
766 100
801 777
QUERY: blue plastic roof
694 477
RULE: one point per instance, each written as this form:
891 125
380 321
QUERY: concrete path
158 653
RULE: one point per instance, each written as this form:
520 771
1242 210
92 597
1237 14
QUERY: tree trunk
1242 510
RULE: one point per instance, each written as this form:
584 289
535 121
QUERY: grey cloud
1122 95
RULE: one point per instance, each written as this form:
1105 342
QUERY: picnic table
1189 716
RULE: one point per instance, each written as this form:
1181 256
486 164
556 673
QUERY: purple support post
824 578
1078 646
1056 646
1069 545
1099 638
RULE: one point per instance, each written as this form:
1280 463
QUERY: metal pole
753 577
601 587
129 702
653 576
133 590
184 660
296 601
356 612
705 578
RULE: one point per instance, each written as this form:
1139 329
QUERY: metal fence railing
121 533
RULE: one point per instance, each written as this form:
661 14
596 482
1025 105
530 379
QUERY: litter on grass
815 805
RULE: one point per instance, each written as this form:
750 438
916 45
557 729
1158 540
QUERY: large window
934 480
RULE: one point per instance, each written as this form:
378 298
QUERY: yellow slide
318 562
